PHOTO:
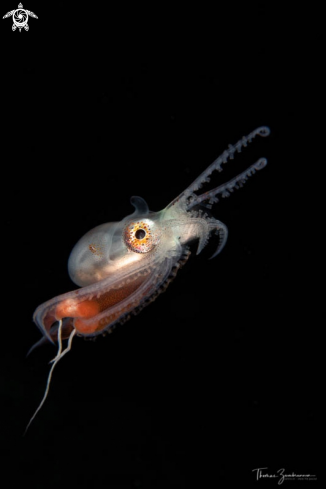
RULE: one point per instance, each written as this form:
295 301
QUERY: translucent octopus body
123 266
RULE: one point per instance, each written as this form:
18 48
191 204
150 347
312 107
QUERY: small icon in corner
20 18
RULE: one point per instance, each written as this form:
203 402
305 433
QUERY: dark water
219 375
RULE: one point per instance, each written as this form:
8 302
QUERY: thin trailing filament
55 360
123 266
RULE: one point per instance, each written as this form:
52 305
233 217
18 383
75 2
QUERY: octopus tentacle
227 188
188 195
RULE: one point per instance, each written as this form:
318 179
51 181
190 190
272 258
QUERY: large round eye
141 236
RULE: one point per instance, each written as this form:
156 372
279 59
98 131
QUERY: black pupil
140 234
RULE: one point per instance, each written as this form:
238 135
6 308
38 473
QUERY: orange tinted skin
85 310
69 308
82 312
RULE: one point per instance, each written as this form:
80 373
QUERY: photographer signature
281 475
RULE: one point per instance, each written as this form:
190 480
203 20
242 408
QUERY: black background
219 376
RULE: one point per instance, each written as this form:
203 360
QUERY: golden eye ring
140 237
